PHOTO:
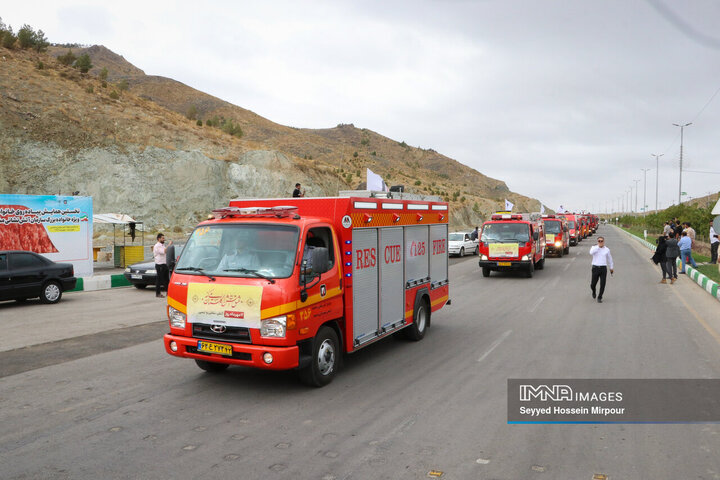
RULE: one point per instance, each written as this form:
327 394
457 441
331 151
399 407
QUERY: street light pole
644 209
657 175
636 193
682 128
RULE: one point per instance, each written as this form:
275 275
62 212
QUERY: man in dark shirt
297 192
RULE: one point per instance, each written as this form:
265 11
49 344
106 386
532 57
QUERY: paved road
398 409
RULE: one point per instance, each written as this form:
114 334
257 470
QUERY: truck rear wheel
486 271
541 264
421 319
325 357
211 367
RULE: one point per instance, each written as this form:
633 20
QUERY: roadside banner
57 227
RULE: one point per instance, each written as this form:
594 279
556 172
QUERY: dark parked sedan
26 275
143 274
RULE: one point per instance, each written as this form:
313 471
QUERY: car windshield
571 224
506 232
240 250
456 237
552 226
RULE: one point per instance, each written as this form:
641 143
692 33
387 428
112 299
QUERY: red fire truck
557 235
512 242
273 286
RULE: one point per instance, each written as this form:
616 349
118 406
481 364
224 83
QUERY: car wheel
421 319
211 367
462 251
140 286
325 359
477 250
486 271
51 292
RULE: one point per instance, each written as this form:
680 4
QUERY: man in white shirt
714 243
601 261
161 268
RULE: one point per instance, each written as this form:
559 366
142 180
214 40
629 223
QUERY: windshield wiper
195 269
253 272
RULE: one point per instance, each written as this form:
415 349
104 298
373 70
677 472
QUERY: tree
67 59
191 114
26 36
122 85
83 63
9 39
41 42
103 74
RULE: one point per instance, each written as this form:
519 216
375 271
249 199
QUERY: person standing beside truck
161 267
714 244
601 261
298 192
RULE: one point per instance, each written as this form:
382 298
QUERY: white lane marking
536 304
495 345
573 259
567 265
554 283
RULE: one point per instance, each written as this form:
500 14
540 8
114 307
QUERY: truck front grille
231 334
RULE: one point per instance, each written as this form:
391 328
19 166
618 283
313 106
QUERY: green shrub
199 123
355 154
123 85
90 89
418 182
67 59
103 74
39 65
114 95
83 63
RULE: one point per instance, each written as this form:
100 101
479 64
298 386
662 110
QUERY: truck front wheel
325 356
486 271
211 367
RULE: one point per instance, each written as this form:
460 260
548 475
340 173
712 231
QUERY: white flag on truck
542 208
375 182
508 205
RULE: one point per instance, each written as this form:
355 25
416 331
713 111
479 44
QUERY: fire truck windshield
240 250
552 226
503 232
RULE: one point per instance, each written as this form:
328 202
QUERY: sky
565 101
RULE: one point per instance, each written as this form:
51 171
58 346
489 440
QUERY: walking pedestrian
601 261
161 268
714 244
685 245
672 251
659 257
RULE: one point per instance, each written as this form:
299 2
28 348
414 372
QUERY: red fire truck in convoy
573 227
512 242
272 286
557 235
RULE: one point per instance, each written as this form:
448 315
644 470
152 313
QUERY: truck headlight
127 269
177 318
273 327
524 258
483 257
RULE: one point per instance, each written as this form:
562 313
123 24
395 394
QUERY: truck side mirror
319 264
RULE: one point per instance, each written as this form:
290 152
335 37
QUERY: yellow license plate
504 264
209 347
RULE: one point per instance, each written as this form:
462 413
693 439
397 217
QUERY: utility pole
644 209
682 128
636 193
657 175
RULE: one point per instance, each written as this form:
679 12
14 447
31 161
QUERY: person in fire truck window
240 255
312 242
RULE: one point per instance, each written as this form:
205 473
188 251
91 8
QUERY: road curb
701 279
100 282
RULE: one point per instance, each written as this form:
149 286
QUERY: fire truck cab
557 235
573 228
512 242
275 286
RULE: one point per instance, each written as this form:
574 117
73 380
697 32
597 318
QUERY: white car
459 243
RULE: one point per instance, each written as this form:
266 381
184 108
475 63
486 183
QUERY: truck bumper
500 265
284 358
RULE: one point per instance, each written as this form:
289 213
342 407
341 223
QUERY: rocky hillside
141 145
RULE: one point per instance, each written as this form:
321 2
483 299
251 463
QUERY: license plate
504 264
209 347
138 277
